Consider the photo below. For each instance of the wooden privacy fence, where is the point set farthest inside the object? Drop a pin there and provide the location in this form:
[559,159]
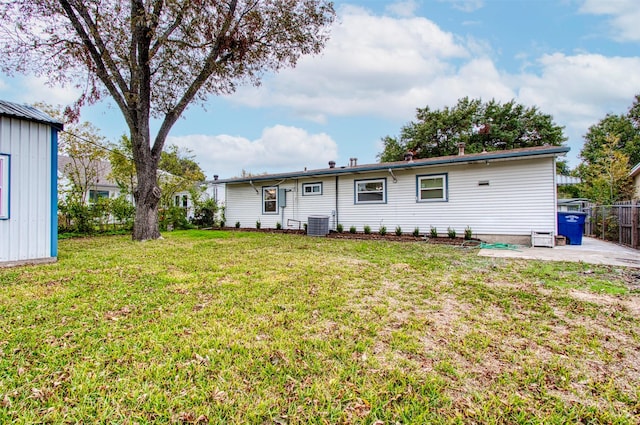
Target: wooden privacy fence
[617,223]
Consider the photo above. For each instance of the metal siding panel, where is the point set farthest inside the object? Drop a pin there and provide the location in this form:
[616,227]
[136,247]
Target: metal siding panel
[27,235]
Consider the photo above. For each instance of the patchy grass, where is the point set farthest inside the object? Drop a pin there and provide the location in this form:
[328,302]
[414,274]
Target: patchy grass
[232,327]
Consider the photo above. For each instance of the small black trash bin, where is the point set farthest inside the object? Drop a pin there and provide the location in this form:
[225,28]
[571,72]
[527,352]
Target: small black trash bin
[571,226]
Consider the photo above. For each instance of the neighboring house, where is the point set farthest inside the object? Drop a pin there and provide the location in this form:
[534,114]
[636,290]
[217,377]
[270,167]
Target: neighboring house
[635,175]
[93,176]
[502,196]
[573,204]
[28,185]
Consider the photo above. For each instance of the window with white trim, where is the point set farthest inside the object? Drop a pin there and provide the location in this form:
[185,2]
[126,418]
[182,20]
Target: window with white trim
[4,187]
[270,200]
[310,189]
[371,191]
[432,188]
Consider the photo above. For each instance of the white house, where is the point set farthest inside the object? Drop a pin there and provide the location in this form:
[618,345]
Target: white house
[502,196]
[92,175]
[28,185]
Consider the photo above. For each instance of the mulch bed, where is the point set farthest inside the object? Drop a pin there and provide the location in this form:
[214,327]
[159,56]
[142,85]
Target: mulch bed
[372,236]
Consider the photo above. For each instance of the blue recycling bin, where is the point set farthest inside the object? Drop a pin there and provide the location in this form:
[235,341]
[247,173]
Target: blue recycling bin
[571,226]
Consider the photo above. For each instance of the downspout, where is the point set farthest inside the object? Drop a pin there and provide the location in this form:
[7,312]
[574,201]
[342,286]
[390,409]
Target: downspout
[336,220]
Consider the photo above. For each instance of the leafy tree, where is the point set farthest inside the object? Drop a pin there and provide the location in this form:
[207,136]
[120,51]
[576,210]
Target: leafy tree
[82,145]
[155,58]
[123,169]
[606,180]
[480,126]
[180,174]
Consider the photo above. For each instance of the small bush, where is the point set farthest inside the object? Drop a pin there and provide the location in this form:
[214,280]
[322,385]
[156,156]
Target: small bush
[416,232]
[451,232]
[258,224]
[468,234]
[339,228]
[237,224]
[367,229]
[398,231]
[433,232]
[222,224]
[278,226]
[305,227]
[383,230]
[352,229]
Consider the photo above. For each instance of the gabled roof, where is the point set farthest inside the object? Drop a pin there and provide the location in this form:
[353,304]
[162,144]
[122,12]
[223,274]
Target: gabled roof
[523,153]
[14,110]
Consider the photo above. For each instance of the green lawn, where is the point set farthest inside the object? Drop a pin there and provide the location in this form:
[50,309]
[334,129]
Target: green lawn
[232,327]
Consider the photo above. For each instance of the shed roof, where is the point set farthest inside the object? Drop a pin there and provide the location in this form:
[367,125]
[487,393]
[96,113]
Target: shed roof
[522,153]
[15,110]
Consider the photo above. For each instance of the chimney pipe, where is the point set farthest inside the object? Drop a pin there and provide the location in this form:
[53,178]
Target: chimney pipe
[460,149]
[408,156]
[332,164]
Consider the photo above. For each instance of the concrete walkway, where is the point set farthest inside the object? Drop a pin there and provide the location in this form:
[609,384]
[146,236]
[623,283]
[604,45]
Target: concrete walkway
[592,251]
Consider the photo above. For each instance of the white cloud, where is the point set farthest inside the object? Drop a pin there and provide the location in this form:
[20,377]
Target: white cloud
[279,149]
[625,15]
[372,65]
[37,90]
[466,5]
[403,9]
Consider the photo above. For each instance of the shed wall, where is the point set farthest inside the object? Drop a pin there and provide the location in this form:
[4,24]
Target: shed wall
[28,233]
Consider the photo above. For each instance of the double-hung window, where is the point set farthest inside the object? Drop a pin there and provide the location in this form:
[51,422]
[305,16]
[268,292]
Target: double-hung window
[432,188]
[310,189]
[270,200]
[371,191]
[4,187]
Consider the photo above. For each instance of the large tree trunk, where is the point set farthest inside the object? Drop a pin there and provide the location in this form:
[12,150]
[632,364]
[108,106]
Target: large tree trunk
[147,196]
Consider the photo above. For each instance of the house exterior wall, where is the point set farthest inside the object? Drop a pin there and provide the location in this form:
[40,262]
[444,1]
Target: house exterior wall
[519,198]
[30,232]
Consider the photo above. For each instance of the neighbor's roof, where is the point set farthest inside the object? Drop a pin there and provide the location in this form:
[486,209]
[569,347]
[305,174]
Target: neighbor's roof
[635,170]
[101,168]
[523,153]
[14,110]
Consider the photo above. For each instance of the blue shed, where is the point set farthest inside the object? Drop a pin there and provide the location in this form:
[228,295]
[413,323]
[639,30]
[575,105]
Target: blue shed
[28,185]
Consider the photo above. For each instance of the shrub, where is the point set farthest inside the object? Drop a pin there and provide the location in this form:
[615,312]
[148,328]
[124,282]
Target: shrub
[237,224]
[352,229]
[278,226]
[258,224]
[305,227]
[383,230]
[222,224]
[339,228]
[433,232]
[416,232]
[451,232]
[367,229]
[398,231]
[468,234]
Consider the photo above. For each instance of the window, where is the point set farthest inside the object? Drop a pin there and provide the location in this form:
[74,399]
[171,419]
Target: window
[432,188]
[4,187]
[185,201]
[94,195]
[311,189]
[371,191]
[270,200]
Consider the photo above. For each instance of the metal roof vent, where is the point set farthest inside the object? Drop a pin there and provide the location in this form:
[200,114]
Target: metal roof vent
[332,164]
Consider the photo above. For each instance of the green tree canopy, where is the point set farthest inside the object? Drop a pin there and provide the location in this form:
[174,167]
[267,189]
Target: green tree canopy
[481,126]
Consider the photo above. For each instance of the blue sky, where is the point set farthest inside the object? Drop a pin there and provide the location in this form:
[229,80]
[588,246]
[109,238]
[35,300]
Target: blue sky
[574,59]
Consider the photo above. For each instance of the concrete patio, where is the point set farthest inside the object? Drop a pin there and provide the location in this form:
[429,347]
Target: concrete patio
[592,251]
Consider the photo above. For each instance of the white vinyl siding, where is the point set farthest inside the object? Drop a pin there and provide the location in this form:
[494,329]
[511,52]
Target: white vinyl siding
[26,234]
